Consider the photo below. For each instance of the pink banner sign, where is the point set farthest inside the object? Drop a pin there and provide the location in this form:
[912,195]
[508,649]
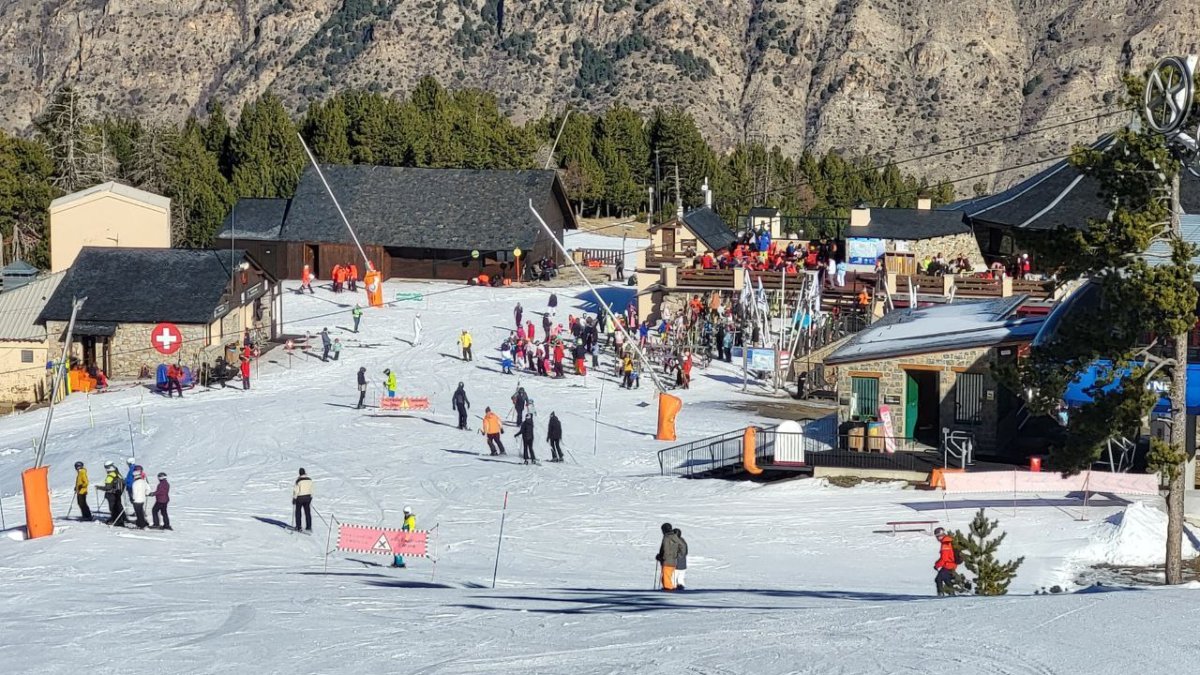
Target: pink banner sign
[1049,482]
[404,403]
[361,539]
[889,436]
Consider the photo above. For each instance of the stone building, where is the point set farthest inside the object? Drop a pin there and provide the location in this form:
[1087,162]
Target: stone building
[109,214]
[931,370]
[906,236]
[210,296]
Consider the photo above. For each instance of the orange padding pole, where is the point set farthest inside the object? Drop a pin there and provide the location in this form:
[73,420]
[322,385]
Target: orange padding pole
[38,521]
[749,461]
[374,282]
[668,407]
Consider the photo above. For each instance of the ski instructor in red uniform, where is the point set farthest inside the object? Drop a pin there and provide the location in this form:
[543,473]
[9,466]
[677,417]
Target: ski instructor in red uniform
[946,563]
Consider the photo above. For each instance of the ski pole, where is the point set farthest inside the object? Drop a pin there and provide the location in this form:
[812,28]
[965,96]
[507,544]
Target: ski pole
[500,540]
[3,525]
[70,505]
[654,584]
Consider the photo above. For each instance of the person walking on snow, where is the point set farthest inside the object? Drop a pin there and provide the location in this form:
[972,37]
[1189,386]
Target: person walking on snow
[302,498]
[492,430]
[325,344]
[362,387]
[464,341]
[356,313]
[546,324]
[946,563]
[416,330]
[410,525]
[681,562]
[113,487]
[668,556]
[526,436]
[553,304]
[519,400]
[390,382]
[461,404]
[337,348]
[517,312]
[554,438]
[141,488]
[162,497]
[81,491]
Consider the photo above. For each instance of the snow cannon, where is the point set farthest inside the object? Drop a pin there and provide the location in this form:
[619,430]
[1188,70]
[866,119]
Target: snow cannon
[749,460]
[668,408]
[38,520]
[374,281]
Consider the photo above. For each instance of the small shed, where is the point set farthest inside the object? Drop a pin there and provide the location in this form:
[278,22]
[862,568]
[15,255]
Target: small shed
[904,237]
[696,232]
[24,347]
[109,214]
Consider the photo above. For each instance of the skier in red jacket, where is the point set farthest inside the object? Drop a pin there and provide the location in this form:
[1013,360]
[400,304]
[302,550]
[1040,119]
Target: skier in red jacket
[946,563]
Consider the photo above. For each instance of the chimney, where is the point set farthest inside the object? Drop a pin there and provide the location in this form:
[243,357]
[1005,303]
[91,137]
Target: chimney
[924,203]
[707,193]
[860,216]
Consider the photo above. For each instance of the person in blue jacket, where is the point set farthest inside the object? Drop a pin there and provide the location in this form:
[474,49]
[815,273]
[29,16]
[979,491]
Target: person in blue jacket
[129,474]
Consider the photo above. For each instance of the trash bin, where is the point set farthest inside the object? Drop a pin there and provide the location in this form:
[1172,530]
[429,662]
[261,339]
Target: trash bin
[1035,464]
[875,442]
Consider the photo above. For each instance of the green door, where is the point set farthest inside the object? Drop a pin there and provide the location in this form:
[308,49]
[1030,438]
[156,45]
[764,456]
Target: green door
[911,397]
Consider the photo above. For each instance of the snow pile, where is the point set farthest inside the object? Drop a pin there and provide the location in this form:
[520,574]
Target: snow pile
[1136,536]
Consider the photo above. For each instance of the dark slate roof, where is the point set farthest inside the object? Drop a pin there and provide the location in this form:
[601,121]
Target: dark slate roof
[255,219]
[457,209]
[1057,197]
[709,228]
[143,285]
[939,328]
[764,212]
[910,224]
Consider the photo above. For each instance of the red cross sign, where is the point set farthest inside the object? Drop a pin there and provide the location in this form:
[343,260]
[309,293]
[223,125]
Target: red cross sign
[166,339]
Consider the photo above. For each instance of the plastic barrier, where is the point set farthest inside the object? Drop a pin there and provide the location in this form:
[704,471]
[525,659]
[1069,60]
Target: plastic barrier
[373,280]
[749,461]
[38,520]
[668,407]
[1025,481]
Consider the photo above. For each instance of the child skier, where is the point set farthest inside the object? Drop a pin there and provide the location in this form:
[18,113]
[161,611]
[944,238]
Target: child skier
[410,525]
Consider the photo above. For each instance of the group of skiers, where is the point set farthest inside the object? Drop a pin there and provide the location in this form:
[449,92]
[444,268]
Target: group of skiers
[135,485]
[672,558]
[492,427]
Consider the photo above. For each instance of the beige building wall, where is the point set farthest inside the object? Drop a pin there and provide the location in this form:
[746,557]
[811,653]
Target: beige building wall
[117,216]
[22,372]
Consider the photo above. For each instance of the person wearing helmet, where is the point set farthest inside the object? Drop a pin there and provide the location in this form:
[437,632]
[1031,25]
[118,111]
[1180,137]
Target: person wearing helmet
[464,341]
[461,404]
[362,388]
[81,491]
[410,525]
[946,563]
[132,464]
[141,488]
[390,382]
[526,436]
[162,497]
[113,487]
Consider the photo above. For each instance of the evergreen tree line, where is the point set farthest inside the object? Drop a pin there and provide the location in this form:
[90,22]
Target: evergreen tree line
[607,160]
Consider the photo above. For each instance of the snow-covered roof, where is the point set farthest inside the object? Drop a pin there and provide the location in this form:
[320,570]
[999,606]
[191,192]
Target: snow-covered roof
[115,188]
[940,328]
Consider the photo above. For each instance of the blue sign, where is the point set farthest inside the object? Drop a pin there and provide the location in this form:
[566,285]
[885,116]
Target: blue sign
[760,358]
[864,250]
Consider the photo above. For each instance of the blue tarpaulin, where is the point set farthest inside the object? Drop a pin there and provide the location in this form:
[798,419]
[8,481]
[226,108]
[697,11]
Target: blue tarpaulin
[1077,395]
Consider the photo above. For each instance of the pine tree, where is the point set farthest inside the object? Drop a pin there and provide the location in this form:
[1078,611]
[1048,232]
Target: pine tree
[326,129]
[978,550]
[25,193]
[75,142]
[200,194]
[265,152]
[215,133]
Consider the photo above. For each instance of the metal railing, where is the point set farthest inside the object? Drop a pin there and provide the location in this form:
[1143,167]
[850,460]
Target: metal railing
[701,456]
[959,445]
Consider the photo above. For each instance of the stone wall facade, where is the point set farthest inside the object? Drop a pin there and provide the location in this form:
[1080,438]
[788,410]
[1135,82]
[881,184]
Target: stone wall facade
[947,366]
[952,248]
[130,349]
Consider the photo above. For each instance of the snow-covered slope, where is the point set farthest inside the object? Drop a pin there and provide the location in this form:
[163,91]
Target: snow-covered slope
[789,577]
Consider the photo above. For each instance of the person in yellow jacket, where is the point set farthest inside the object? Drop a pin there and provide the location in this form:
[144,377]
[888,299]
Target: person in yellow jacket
[390,382]
[627,370]
[81,491]
[410,525]
[492,430]
[464,340]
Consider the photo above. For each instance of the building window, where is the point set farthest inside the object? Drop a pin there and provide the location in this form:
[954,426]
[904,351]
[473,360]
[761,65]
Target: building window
[26,356]
[968,398]
[864,398]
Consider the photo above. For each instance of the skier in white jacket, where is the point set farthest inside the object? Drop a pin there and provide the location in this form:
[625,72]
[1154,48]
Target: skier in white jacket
[416,330]
[140,489]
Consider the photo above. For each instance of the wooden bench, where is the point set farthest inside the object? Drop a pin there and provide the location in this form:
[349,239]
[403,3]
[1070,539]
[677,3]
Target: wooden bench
[926,525]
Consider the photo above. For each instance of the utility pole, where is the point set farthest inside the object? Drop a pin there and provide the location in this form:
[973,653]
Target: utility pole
[60,374]
[657,178]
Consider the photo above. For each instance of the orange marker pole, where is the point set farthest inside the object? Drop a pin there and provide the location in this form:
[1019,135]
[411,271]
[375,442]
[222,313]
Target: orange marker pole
[38,520]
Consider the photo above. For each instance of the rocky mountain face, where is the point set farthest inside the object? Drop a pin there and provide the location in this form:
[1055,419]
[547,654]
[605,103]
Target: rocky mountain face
[898,77]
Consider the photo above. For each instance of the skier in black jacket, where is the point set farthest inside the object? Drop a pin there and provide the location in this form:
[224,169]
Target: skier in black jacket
[526,436]
[554,437]
[519,400]
[461,404]
[362,387]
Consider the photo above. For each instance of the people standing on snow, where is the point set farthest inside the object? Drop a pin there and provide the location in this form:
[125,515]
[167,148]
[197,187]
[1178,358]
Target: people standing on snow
[362,388]
[517,312]
[461,404]
[174,380]
[141,488]
[81,491]
[113,487]
[627,372]
[416,329]
[356,314]
[390,382]
[325,344]
[162,497]
[685,370]
[546,324]
[245,370]
[302,497]
[492,430]
[130,474]
[681,561]
[519,400]
[668,556]
[946,563]
[464,341]
[410,525]
[554,438]
[337,348]
[553,304]
[526,436]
